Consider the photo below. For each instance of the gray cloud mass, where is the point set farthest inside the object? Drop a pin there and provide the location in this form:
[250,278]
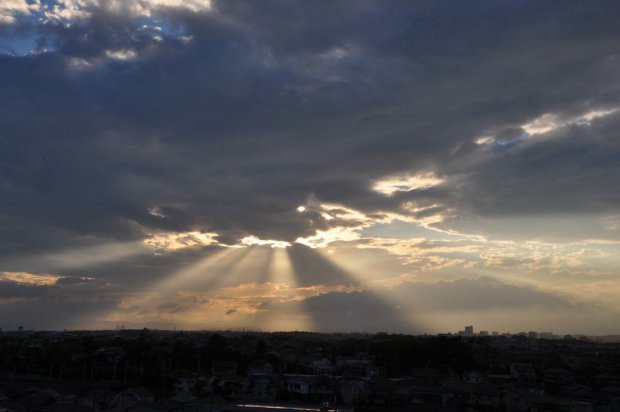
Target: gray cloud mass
[227,119]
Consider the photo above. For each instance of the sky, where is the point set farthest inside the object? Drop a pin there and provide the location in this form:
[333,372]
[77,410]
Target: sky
[337,166]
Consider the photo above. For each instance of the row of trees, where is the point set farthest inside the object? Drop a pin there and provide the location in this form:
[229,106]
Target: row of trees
[147,358]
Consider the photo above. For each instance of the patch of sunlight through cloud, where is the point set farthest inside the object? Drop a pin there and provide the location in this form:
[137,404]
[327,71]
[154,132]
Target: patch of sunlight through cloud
[10,8]
[69,11]
[253,240]
[323,238]
[121,54]
[166,241]
[549,122]
[30,278]
[406,183]
[339,211]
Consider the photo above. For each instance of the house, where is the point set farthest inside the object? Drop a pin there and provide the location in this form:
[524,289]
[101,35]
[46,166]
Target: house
[474,377]
[43,398]
[323,389]
[487,396]
[18,390]
[184,398]
[95,398]
[609,397]
[132,397]
[169,405]
[353,391]
[141,394]
[193,384]
[110,353]
[559,404]
[558,375]
[386,392]
[429,376]
[262,386]
[517,400]
[555,379]
[260,366]
[322,366]
[224,368]
[185,385]
[315,387]
[300,384]
[434,394]
[573,362]
[233,386]
[577,391]
[523,372]
[359,368]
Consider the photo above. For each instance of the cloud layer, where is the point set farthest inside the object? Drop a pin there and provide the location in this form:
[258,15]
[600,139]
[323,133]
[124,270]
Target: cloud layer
[441,139]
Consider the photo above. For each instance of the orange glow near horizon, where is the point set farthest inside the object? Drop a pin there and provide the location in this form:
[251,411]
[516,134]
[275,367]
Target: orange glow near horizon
[282,275]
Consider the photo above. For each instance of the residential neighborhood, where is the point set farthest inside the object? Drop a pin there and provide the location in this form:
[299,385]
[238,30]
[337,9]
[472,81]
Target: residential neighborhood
[147,370]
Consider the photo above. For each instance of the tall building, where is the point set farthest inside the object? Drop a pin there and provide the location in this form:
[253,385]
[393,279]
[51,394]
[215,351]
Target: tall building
[469,331]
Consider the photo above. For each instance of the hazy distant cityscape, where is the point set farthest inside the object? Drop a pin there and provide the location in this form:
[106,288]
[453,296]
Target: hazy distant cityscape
[468,331]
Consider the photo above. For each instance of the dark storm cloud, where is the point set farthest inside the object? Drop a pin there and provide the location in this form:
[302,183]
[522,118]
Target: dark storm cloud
[352,312]
[21,291]
[64,304]
[311,268]
[566,171]
[54,312]
[482,294]
[235,128]
[373,310]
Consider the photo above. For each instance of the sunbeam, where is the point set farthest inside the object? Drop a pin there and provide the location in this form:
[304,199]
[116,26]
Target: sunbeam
[78,258]
[216,279]
[244,270]
[259,287]
[395,306]
[204,270]
[264,267]
[291,315]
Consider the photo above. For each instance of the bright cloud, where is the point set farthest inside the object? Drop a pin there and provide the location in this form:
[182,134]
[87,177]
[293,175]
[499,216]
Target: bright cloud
[10,8]
[72,10]
[550,121]
[122,54]
[180,240]
[30,278]
[546,123]
[323,238]
[406,183]
[253,240]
